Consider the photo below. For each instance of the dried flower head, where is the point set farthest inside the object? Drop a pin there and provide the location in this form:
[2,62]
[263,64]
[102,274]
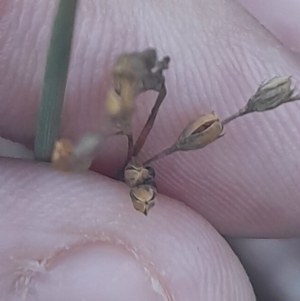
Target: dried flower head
[135,175]
[132,67]
[133,73]
[271,94]
[199,133]
[141,69]
[141,180]
[143,197]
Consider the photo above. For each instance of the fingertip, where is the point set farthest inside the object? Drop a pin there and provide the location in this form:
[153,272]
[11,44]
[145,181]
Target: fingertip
[85,232]
[279,17]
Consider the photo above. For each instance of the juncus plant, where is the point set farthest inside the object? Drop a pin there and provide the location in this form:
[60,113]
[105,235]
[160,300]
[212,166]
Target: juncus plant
[137,72]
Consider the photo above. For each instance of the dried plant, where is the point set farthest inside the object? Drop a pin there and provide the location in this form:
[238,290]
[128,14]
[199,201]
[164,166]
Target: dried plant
[137,72]
[134,73]
[141,180]
[143,197]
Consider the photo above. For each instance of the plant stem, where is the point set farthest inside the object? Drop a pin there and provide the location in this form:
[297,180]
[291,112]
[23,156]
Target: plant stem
[241,112]
[149,124]
[162,154]
[119,175]
[130,147]
[52,98]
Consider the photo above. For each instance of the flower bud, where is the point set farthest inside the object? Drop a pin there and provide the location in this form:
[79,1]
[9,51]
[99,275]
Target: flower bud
[199,133]
[143,197]
[271,94]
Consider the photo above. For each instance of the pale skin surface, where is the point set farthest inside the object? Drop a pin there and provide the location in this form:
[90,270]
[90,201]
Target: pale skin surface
[77,237]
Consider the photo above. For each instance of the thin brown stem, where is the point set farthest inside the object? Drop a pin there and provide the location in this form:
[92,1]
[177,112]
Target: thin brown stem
[296,97]
[149,124]
[119,175]
[241,112]
[162,154]
[130,147]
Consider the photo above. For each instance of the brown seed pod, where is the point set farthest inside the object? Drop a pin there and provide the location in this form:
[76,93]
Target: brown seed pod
[135,175]
[199,133]
[143,197]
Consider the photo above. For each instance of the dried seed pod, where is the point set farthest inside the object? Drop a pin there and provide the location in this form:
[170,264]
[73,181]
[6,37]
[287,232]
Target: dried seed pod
[133,67]
[271,94]
[135,175]
[141,69]
[199,133]
[61,155]
[143,197]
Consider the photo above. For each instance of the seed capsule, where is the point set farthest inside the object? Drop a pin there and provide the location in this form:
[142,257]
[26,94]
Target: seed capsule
[199,133]
[271,94]
[135,175]
[143,197]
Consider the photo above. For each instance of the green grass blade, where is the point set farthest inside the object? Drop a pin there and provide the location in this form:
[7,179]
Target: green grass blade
[52,98]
